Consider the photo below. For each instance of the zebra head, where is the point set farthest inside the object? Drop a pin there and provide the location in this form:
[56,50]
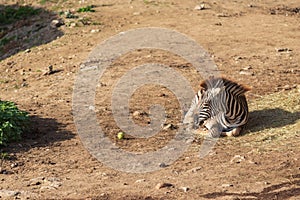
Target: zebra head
[205,103]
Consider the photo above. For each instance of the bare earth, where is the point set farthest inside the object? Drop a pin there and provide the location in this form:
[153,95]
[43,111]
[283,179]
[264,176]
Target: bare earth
[256,43]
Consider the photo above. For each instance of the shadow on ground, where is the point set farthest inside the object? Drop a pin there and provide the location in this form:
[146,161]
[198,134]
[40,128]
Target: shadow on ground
[42,132]
[270,118]
[280,191]
[23,27]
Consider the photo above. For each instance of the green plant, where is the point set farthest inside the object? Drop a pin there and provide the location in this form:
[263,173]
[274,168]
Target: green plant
[87,9]
[5,41]
[4,155]
[10,14]
[13,122]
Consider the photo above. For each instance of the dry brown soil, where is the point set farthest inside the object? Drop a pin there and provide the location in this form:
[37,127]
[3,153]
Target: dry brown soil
[256,43]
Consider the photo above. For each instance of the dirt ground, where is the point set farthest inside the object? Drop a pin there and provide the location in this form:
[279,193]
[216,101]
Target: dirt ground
[256,43]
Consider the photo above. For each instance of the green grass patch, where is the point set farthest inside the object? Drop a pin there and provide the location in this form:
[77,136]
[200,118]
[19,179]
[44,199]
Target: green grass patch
[13,122]
[11,14]
[7,40]
[87,9]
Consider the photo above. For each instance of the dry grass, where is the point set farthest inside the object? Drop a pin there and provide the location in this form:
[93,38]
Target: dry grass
[276,116]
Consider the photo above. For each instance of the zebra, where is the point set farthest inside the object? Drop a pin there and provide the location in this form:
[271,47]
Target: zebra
[221,106]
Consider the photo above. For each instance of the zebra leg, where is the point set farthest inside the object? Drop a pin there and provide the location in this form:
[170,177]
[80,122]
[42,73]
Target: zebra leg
[235,132]
[214,128]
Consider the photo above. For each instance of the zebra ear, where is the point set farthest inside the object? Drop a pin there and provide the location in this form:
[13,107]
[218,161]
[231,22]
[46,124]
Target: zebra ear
[203,86]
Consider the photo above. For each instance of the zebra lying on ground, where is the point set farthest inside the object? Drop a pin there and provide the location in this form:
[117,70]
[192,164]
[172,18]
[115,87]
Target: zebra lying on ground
[221,106]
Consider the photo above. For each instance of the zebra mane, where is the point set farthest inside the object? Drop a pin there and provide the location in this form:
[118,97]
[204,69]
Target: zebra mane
[221,82]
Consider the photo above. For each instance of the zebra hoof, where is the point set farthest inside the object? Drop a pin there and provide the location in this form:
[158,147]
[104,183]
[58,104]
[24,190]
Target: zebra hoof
[235,132]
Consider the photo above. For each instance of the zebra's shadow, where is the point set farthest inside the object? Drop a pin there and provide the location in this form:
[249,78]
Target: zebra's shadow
[270,118]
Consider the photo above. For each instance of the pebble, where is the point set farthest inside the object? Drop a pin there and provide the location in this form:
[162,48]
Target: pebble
[246,73]
[14,165]
[200,7]
[8,193]
[136,113]
[56,23]
[136,13]
[237,159]
[36,181]
[163,165]
[140,180]
[95,31]
[163,185]
[247,68]
[169,127]
[185,189]
[195,169]
[73,24]
[227,185]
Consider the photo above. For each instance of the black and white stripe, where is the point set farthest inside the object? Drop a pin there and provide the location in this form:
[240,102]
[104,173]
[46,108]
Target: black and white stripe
[221,106]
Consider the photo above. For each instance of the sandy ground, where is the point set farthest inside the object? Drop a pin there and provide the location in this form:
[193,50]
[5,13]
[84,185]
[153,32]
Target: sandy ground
[255,43]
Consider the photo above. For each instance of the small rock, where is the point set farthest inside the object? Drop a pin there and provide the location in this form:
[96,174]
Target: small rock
[237,159]
[8,193]
[56,23]
[246,73]
[238,58]
[140,180]
[247,68]
[200,7]
[227,185]
[163,185]
[73,24]
[22,72]
[163,165]
[36,181]
[95,31]
[136,13]
[185,189]
[24,84]
[195,169]
[56,184]
[27,51]
[136,113]
[14,165]
[169,127]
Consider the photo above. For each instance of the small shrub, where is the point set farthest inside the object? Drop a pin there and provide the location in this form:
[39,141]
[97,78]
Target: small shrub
[87,9]
[10,14]
[13,122]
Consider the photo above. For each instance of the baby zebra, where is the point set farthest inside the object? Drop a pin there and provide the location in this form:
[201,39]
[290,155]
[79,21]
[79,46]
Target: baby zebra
[220,105]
